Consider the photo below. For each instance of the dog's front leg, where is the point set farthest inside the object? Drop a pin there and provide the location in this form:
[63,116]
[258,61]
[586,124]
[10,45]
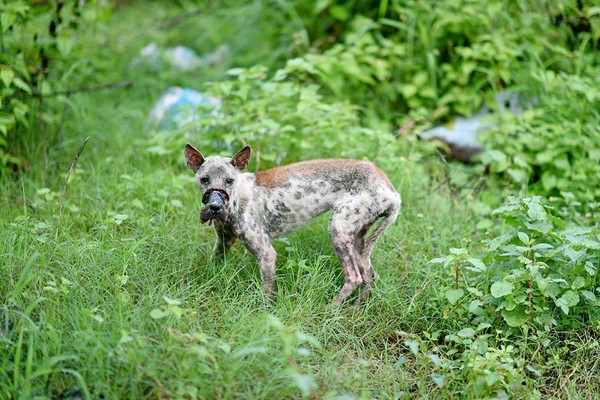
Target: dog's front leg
[260,246]
[225,239]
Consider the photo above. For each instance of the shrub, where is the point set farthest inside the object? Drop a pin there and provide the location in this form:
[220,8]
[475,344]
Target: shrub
[555,148]
[283,118]
[542,274]
[36,40]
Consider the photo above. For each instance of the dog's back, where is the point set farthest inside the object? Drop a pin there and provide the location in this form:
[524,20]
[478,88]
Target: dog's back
[331,170]
[292,195]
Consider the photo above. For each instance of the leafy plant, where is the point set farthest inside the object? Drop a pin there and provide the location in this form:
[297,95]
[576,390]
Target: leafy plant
[36,40]
[548,272]
[281,118]
[555,147]
[426,60]
[541,274]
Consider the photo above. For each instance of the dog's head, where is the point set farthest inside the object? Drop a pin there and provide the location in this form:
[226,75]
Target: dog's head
[216,177]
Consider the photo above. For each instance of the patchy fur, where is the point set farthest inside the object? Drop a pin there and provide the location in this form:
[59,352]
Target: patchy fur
[275,202]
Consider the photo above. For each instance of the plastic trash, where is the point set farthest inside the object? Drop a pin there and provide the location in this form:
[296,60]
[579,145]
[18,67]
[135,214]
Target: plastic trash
[217,56]
[179,106]
[180,57]
[461,135]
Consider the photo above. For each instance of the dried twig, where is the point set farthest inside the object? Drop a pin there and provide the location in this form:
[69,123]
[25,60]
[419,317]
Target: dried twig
[62,198]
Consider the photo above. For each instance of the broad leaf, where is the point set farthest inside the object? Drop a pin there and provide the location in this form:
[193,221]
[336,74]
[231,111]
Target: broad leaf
[502,288]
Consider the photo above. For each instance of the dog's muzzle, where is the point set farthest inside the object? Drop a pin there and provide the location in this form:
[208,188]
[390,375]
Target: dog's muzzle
[215,202]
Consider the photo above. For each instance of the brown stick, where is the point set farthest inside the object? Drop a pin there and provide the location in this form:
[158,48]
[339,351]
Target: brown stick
[457,270]
[62,198]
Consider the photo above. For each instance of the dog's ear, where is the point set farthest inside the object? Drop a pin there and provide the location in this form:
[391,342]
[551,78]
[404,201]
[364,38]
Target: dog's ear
[193,157]
[241,158]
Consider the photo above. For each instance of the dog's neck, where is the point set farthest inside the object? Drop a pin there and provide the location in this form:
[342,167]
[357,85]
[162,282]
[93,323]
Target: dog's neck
[242,192]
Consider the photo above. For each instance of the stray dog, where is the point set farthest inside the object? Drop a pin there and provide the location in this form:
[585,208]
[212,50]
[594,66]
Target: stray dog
[256,208]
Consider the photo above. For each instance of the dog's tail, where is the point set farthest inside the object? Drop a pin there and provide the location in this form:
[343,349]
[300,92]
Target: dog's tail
[389,217]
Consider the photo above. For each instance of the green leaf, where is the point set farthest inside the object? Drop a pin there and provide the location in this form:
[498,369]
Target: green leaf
[235,71]
[562,303]
[502,288]
[516,317]
[589,296]
[497,159]
[64,44]
[535,209]
[518,175]
[408,90]
[157,313]
[589,268]
[7,121]
[6,75]
[176,311]
[458,251]
[339,12]
[438,379]
[542,227]
[549,180]
[413,345]
[21,84]
[435,359]
[475,307]
[542,246]
[523,237]
[171,302]
[453,295]
[571,298]
[119,218]
[466,333]
[578,283]
[477,263]
[7,19]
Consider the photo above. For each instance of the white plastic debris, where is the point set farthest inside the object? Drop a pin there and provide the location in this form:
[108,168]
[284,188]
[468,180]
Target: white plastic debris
[218,56]
[178,107]
[461,134]
[180,57]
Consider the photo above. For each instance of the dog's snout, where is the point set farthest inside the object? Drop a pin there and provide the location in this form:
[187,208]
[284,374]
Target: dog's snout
[214,206]
[213,196]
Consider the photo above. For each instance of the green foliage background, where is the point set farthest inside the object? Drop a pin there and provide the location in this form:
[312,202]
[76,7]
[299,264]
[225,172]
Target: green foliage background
[488,281]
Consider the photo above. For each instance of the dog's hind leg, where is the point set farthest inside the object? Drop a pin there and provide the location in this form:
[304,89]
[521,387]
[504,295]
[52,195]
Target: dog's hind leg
[369,274]
[344,240]
[389,216]
[366,268]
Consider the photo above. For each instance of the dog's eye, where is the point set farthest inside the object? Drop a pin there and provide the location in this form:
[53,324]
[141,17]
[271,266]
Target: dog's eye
[229,181]
[204,180]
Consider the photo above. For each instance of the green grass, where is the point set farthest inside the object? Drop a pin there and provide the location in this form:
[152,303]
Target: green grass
[76,308]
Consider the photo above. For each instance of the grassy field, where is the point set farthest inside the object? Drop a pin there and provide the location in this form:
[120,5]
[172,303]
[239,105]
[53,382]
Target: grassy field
[108,290]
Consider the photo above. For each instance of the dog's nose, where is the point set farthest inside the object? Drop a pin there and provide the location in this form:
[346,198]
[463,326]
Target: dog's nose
[214,207]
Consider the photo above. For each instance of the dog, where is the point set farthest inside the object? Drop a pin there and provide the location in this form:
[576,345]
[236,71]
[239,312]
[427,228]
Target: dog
[256,208]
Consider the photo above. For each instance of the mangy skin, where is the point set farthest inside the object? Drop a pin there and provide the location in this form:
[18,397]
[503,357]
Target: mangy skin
[275,202]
